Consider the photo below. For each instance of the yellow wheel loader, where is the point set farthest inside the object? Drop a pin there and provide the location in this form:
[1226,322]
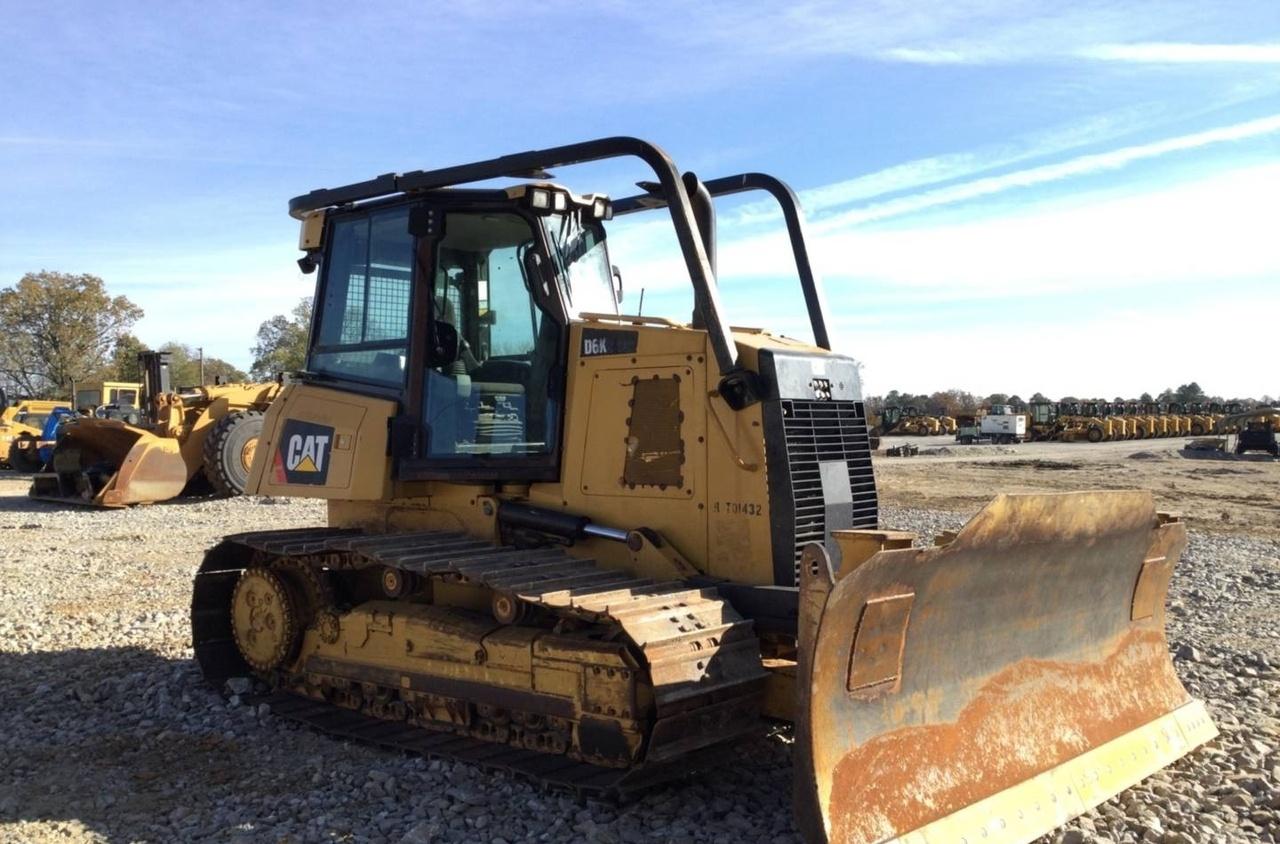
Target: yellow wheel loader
[1144,425]
[1203,422]
[1123,427]
[123,455]
[20,427]
[1179,421]
[597,549]
[1158,421]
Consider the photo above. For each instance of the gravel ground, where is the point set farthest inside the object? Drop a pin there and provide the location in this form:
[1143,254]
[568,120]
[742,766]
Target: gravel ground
[107,733]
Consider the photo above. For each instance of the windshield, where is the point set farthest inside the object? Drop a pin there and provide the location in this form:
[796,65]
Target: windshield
[583,262]
[121,396]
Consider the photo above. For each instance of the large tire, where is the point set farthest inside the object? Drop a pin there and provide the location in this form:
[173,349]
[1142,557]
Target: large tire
[229,449]
[1095,435]
[24,459]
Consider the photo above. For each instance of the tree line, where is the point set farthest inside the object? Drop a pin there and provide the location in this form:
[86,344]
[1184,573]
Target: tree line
[64,330]
[960,402]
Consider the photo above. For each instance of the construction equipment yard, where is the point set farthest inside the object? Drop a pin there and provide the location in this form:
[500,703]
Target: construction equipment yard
[108,732]
[731,423]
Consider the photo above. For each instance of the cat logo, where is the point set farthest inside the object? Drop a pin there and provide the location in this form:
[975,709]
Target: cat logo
[303,454]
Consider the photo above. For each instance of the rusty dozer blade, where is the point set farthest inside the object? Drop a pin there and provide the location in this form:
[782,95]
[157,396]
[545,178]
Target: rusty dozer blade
[107,463]
[993,687]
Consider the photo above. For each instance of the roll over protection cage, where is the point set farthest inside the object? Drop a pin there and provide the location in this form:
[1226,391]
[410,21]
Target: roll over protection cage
[738,386]
[815,299]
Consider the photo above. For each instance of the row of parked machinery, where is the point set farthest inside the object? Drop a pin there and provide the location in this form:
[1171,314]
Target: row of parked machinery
[1075,421]
[1100,421]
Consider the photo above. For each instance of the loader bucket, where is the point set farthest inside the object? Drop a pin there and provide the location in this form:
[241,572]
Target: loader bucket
[107,463]
[993,687]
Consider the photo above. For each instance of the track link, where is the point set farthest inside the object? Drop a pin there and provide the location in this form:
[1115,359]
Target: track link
[560,772]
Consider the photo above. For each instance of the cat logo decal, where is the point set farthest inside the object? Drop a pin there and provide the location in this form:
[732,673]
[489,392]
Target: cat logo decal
[302,456]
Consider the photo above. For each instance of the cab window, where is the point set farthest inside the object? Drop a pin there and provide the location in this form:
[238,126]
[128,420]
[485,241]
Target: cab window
[495,396]
[363,325]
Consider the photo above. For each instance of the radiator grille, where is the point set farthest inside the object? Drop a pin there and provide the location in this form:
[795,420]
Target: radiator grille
[815,432]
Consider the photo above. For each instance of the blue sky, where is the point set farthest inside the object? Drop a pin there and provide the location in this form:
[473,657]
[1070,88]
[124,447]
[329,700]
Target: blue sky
[1074,198]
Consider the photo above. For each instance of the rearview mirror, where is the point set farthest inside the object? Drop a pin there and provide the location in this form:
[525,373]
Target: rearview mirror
[535,273]
[617,283]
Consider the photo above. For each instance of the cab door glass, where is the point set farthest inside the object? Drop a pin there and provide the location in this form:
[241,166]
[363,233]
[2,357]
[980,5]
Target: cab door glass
[363,327]
[495,396]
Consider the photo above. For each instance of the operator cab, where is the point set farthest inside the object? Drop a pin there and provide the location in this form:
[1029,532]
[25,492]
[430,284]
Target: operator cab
[456,303]
[1042,413]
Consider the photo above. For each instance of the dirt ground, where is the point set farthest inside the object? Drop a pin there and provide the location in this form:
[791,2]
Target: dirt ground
[1234,495]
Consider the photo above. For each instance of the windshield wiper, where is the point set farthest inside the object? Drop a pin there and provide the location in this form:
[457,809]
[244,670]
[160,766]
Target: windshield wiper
[310,375]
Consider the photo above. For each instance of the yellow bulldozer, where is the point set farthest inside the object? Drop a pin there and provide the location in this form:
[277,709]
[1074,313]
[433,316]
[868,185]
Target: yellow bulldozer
[171,442]
[1045,421]
[1092,421]
[598,549]
[917,423]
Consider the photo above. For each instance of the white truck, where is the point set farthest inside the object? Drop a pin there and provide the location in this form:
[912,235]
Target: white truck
[1000,425]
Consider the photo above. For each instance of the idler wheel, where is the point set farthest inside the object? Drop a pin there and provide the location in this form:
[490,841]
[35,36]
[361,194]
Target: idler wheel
[264,619]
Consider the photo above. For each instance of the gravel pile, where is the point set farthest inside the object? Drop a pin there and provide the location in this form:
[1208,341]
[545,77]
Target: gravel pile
[107,733]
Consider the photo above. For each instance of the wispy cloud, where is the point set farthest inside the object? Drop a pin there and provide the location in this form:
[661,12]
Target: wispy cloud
[1146,233]
[935,170]
[979,32]
[1003,51]
[970,54]
[1181,53]
[1079,166]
